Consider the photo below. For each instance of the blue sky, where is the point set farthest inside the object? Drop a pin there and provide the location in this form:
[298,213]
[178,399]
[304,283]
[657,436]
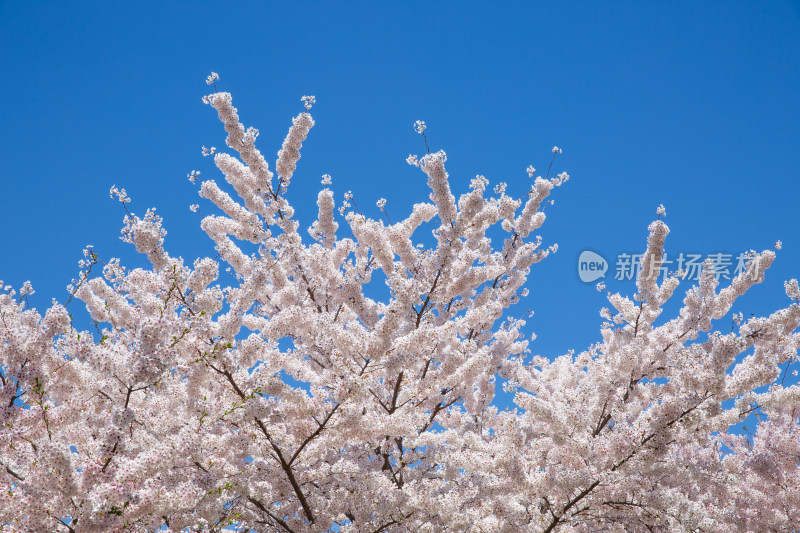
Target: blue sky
[693,105]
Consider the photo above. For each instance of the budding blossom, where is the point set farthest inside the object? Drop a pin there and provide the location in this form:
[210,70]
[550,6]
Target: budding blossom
[419,126]
[193,176]
[209,151]
[212,78]
[177,412]
[346,203]
[381,203]
[308,101]
[121,194]
[661,211]
[531,171]
[557,150]
[26,289]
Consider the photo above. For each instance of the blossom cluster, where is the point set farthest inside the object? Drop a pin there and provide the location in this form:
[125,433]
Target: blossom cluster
[290,397]
[308,101]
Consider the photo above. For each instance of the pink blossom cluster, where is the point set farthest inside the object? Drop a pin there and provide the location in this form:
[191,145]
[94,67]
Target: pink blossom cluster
[287,398]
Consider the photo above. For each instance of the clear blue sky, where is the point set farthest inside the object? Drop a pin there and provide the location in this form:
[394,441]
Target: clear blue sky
[691,104]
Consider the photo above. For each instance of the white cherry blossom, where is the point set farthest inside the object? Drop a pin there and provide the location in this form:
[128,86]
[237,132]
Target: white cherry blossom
[287,396]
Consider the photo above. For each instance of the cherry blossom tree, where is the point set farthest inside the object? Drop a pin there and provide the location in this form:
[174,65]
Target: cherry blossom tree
[293,400]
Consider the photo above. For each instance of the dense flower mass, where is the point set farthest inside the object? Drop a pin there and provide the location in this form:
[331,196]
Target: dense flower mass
[292,400]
